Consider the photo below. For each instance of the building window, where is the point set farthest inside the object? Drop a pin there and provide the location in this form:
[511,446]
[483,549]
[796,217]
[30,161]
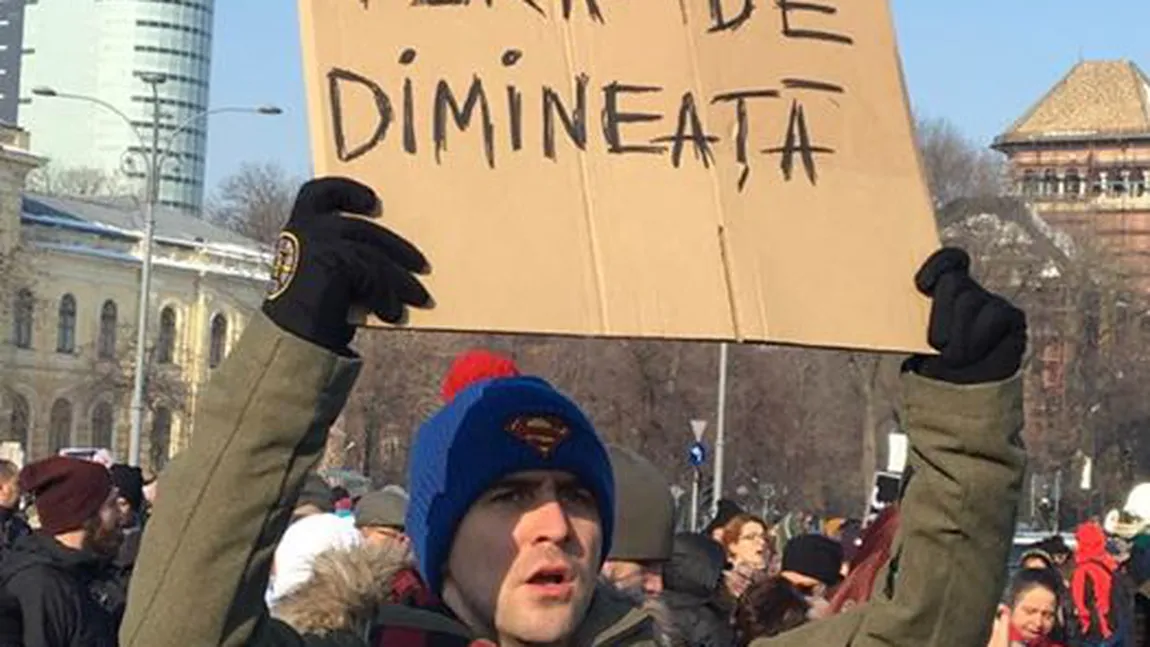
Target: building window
[1073,185]
[60,426]
[1029,183]
[161,438]
[19,420]
[66,325]
[102,422]
[1118,183]
[218,348]
[166,346]
[1098,184]
[22,316]
[106,343]
[1050,184]
[1138,183]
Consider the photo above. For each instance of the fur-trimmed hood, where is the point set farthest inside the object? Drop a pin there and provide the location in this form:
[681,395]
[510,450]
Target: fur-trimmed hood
[345,592]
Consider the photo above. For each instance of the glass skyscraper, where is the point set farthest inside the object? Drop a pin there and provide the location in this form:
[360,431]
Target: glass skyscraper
[99,48]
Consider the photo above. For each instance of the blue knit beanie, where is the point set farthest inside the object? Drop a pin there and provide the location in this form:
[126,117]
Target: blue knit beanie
[489,430]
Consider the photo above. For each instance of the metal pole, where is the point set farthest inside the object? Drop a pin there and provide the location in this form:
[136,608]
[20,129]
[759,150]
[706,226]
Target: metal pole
[720,439]
[151,197]
[695,501]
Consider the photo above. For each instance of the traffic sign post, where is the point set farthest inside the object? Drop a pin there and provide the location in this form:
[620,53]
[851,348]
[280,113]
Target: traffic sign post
[696,456]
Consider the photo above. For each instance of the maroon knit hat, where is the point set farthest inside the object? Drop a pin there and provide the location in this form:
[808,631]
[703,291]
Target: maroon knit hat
[68,491]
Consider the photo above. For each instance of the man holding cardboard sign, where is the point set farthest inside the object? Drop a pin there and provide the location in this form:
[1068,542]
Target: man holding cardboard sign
[511,542]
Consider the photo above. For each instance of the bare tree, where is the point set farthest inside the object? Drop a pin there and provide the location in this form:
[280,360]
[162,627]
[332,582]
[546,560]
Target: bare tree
[956,167]
[78,182]
[254,201]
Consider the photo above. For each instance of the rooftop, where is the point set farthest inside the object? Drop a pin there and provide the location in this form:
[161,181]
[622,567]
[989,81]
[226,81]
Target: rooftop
[1096,99]
[122,218]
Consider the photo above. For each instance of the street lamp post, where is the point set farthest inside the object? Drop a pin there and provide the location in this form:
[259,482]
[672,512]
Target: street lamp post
[154,159]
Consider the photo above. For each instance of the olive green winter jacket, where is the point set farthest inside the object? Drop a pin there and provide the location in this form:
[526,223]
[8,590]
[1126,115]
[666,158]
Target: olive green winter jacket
[263,421]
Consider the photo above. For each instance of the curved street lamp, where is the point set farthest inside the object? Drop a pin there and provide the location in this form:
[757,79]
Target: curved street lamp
[154,159]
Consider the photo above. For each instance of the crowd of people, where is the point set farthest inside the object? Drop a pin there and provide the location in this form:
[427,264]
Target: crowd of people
[517,524]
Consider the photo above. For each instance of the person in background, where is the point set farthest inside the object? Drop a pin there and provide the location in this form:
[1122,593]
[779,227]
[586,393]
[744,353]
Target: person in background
[1028,616]
[57,579]
[12,523]
[304,540]
[726,510]
[1098,593]
[644,523]
[745,540]
[770,607]
[813,565]
[867,561]
[379,517]
[692,588]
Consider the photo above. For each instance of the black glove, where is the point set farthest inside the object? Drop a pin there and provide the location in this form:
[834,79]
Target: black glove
[326,262]
[981,336]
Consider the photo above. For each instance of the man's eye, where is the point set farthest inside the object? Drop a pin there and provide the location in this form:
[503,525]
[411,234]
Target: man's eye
[510,496]
[578,495]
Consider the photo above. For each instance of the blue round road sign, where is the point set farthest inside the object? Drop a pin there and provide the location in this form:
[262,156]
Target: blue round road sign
[697,454]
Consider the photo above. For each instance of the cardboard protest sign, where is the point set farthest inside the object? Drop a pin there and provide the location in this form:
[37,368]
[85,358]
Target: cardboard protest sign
[706,169]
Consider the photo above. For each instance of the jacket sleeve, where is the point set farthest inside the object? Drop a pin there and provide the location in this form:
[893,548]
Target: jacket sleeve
[958,513]
[222,506]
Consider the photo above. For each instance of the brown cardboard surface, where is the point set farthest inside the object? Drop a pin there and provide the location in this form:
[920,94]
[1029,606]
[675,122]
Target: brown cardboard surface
[810,237]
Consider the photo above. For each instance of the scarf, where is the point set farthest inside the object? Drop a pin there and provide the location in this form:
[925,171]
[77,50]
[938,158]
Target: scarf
[1093,565]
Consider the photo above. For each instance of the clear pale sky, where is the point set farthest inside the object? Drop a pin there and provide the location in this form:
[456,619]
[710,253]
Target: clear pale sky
[979,63]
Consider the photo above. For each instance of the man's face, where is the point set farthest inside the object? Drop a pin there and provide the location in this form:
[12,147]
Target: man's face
[639,579]
[384,536]
[524,559]
[125,510]
[9,494]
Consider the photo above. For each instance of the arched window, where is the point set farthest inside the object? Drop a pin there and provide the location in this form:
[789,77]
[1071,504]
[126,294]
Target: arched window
[19,420]
[1073,183]
[66,325]
[23,311]
[218,347]
[166,345]
[60,426]
[103,420]
[161,437]
[106,343]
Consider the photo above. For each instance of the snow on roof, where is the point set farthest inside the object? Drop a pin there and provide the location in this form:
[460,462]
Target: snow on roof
[112,217]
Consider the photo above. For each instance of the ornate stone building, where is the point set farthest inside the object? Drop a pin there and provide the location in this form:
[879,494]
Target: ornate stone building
[69,275]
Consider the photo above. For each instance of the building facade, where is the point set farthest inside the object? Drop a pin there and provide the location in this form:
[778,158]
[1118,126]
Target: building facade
[117,41]
[1080,158]
[11,55]
[71,285]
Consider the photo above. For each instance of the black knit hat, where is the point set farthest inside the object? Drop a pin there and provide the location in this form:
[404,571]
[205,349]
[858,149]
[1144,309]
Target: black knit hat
[815,556]
[129,481]
[727,510]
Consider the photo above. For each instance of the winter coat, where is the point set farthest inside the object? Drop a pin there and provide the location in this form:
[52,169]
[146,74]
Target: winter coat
[262,425]
[54,596]
[691,590]
[12,527]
